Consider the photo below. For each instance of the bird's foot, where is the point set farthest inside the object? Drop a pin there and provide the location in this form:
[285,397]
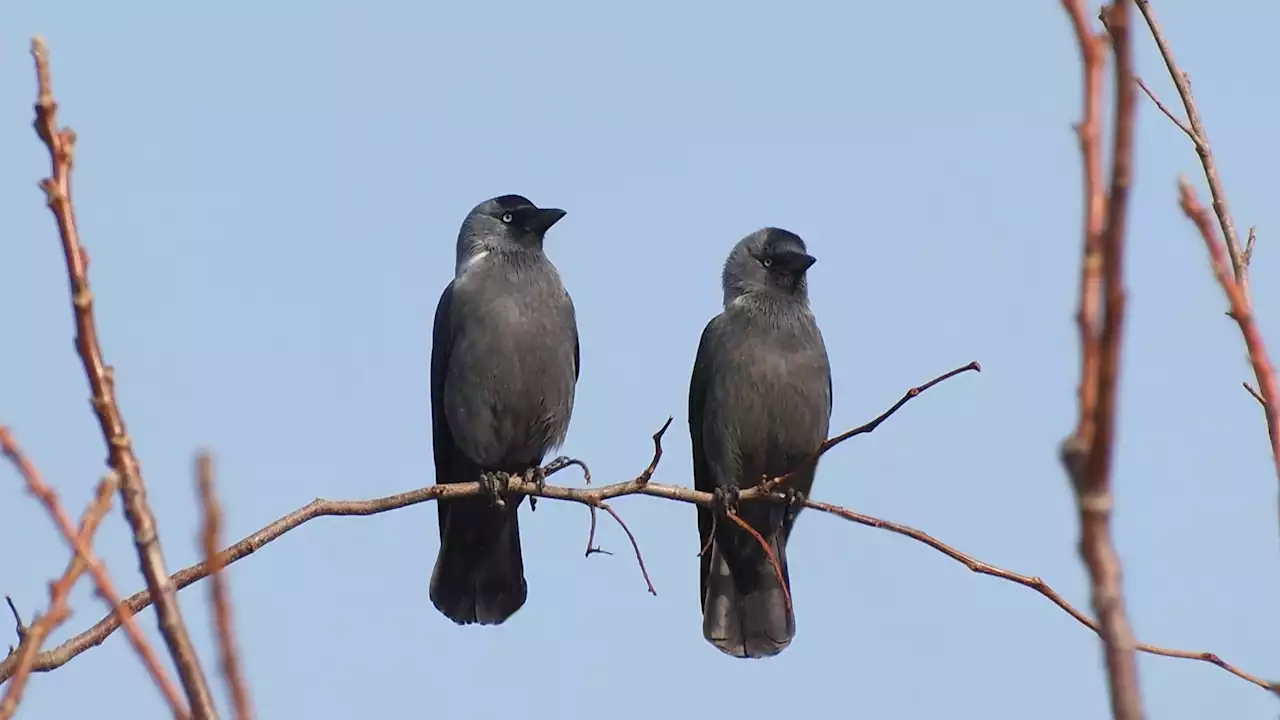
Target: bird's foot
[795,500]
[494,484]
[726,499]
[556,465]
[538,475]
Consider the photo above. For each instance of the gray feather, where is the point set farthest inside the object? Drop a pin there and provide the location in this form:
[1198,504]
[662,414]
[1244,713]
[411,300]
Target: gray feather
[759,405]
[504,366]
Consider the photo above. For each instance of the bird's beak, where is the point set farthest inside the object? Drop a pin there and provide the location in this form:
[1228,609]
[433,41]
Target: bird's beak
[544,218]
[804,262]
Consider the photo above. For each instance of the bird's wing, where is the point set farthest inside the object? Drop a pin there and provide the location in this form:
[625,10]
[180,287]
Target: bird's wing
[702,479]
[443,444]
[573,322]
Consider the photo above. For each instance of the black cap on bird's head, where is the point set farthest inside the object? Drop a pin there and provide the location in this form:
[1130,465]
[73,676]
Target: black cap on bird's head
[519,217]
[504,224]
[781,251]
[768,260]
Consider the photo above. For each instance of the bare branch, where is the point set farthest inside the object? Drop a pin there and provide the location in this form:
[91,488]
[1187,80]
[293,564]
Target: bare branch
[772,484]
[57,657]
[768,552]
[634,545]
[1242,312]
[1256,396]
[84,560]
[1239,260]
[1028,581]
[31,638]
[57,187]
[593,498]
[219,595]
[1087,453]
[1169,113]
[1238,289]
[1093,50]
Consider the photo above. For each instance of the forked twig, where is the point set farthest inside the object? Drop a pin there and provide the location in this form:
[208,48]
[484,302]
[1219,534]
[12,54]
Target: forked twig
[79,542]
[146,539]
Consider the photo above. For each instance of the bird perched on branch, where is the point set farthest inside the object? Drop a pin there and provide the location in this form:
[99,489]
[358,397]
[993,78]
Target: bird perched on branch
[759,406]
[504,366]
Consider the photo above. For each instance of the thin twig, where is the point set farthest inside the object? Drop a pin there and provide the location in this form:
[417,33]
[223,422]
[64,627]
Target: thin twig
[1256,395]
[31,638]
[220,596]
[772,484]
[1087,453]
[94,636]
[592,548]
[593,497]
[1240,297]
[634,545]
[1028,581]
[79,541]
[1242,312]
[768,552]
[57,187]
[1169,113]
[1239,263]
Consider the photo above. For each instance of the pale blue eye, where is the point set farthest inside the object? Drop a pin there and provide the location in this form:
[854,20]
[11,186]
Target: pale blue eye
[507,218]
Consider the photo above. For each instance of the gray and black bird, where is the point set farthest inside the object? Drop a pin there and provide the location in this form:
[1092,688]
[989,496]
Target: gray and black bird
[759,406]
[504,366]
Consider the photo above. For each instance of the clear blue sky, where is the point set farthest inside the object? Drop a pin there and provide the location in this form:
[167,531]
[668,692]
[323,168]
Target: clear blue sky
[270,195]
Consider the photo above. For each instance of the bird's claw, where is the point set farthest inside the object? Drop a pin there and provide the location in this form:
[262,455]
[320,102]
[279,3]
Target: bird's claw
[726,498]
[556,465]
[494,484]
[795,500]
[538,475]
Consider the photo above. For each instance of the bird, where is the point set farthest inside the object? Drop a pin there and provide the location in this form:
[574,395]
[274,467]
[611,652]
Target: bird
[760,401]
[504,370]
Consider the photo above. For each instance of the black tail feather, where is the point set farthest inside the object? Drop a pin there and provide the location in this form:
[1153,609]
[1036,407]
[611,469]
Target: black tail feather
[479,572]
[745,612]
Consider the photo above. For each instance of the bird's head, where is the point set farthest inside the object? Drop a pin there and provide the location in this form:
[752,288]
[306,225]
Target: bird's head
[770,262]
[505,224]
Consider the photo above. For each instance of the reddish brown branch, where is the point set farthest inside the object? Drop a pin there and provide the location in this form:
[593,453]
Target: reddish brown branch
[1169,113]
[768,551]
[57,187]
[1027,581]
[1239,257]
[1256,395]
[31,638]
[634,545]
[94,636]
[1241,311]
[772,484]
[594,497]
[84,560]
[1235,282]
[1093,51]
[220,596]
[647,474]
[1087,454]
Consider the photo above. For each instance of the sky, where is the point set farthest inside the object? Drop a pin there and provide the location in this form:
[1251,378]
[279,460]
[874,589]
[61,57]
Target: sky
[270,196]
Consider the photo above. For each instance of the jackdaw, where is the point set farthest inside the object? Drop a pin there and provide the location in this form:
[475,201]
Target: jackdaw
[759,406]
[504,366]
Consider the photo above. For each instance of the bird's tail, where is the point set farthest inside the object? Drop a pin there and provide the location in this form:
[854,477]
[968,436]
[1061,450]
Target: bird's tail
[479,572]
[745,611]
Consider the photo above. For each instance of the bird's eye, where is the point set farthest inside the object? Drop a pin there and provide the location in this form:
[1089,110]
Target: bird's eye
[768,262]
[507,218]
